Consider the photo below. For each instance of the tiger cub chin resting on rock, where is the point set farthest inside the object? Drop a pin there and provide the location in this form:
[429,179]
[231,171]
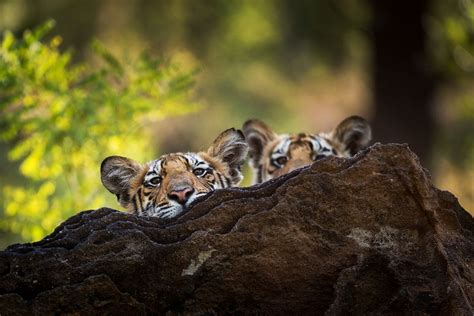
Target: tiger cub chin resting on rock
[167,186]
[272,155]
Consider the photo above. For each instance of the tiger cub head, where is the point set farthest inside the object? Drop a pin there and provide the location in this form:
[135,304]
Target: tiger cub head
[272,155]
[167,186]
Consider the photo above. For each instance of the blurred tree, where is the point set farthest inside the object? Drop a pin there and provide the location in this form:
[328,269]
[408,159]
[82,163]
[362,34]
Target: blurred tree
[404,81]
[76,21]
[322,29]
[64,119]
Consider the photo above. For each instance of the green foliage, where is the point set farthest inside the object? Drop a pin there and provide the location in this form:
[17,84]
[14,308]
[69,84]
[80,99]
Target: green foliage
[451,33]
[63,119]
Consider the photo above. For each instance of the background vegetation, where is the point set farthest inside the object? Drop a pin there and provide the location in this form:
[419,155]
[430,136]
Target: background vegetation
[85,90]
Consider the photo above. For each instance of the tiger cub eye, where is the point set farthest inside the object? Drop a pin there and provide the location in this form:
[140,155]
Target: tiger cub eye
[155,180]
[281,160]
[199,172]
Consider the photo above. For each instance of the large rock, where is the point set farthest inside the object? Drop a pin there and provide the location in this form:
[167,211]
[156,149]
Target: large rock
[365,235]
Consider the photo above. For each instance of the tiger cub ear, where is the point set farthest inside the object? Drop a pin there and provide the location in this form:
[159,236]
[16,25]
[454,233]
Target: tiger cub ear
[116,174]
[230,147]
[258,135]
[353,134]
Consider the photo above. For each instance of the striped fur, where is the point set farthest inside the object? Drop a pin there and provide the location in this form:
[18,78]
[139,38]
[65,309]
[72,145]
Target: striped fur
[272,154]
[153,189]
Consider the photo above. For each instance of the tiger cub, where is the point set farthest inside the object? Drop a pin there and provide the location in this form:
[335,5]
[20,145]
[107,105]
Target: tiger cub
[167,186]
[272,155]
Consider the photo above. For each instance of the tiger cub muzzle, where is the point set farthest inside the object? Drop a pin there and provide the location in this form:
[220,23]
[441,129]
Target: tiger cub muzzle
[167,186]
[181,194]
[272,154]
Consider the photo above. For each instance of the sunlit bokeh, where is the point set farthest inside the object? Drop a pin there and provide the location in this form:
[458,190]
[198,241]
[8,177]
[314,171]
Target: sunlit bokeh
[83,80]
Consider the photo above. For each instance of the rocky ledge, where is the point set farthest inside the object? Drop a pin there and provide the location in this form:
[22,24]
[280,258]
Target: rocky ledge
[364,235]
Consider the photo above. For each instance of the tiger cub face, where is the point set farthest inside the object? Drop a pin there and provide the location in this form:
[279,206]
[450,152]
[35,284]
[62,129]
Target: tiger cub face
[167,186]
[272,154]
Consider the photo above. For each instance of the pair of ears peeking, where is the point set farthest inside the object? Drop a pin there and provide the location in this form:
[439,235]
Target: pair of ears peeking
[272,154]
[166,187]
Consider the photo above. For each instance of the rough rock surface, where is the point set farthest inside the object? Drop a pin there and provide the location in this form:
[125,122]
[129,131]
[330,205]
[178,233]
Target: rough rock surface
[365,235]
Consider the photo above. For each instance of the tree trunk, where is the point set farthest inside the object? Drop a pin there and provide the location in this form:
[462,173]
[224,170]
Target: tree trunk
[403,81]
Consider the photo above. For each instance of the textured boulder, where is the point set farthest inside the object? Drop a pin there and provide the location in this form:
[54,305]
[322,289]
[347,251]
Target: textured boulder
[365,235]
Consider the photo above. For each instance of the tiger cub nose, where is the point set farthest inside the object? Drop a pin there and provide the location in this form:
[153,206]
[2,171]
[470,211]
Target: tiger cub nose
[181,195]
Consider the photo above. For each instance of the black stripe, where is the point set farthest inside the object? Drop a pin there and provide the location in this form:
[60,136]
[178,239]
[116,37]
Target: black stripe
[227,181]
[135,208]
[193,159]
[186,160]
[209,186]
[138,204]
[220,179]
[139,197]
[161,164]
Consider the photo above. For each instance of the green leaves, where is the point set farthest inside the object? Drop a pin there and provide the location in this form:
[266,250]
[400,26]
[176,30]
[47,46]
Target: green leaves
[65,118]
